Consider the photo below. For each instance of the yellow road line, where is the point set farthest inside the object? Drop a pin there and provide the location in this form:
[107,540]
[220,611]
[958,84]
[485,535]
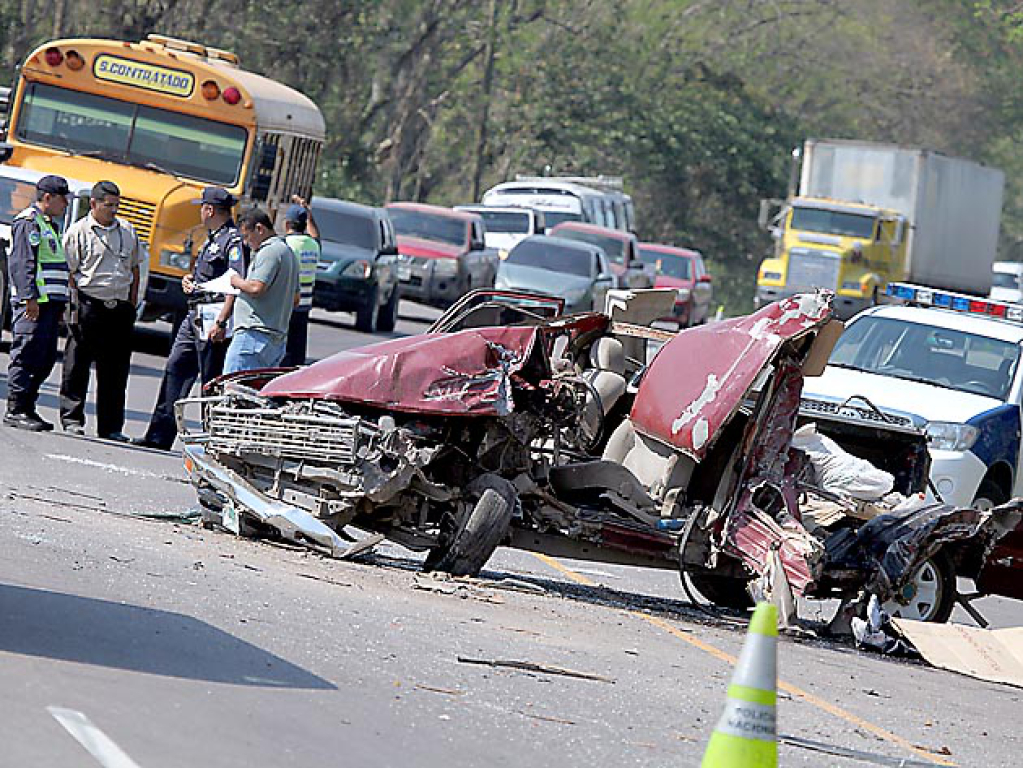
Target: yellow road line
[717,653]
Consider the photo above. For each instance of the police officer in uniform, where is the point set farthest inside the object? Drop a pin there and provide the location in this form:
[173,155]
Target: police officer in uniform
[39,288]
[303,239]
[198,352]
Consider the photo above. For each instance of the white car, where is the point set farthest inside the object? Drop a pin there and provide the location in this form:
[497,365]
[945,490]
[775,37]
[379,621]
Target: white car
[1007,281]
[946,363]
[507,226]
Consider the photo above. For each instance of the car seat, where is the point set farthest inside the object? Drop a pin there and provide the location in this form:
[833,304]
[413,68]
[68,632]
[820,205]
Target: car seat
[606,376]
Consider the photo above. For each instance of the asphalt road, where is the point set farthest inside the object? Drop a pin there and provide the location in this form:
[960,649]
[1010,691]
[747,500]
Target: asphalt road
[158,643]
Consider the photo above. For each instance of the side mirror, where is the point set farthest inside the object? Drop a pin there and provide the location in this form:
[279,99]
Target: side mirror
[389,250]
[704,279]
[476,245]
[604,277]
[6,150]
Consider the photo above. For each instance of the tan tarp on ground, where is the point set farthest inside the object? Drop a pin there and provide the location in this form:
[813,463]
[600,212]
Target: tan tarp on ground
[995,655]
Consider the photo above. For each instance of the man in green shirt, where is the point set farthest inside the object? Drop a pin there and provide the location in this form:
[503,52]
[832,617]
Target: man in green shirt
[267,295]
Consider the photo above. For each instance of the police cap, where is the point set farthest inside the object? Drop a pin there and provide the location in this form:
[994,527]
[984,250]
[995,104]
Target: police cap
[217,197]
[296,214]
[55,185]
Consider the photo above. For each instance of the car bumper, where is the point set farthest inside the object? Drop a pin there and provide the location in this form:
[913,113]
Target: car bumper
[341,294]
[419,282]
[957,476]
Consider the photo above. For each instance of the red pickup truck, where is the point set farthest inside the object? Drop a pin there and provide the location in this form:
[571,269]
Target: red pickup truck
[441,253]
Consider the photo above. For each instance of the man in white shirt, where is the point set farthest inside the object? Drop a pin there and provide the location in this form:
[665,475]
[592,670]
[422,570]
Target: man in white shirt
[104,256]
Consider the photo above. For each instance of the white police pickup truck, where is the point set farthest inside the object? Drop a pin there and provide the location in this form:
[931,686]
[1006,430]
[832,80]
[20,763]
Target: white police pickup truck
[944,363]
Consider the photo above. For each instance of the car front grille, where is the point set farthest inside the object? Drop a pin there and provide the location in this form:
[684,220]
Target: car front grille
[810,407]
[812,269]
[140,214]
[278,433]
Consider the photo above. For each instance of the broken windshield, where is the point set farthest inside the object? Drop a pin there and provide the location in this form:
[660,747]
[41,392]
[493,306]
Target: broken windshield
[965,362]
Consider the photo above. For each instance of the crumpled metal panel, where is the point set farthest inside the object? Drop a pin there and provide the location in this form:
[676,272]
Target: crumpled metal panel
[463,373]
[701,377]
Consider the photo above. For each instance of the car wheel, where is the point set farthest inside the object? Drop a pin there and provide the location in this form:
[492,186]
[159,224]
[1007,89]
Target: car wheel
[388,318]
[366,315]
[723,591]
[929,595]
[989,495]
[465,549]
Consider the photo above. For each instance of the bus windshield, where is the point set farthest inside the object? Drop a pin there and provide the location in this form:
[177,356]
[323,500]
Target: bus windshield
[147,137]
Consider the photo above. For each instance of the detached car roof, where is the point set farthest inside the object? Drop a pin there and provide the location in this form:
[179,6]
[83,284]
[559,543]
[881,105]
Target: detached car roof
[1003,330]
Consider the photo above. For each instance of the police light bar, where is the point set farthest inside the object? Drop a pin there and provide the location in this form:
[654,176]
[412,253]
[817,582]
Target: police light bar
[922,296]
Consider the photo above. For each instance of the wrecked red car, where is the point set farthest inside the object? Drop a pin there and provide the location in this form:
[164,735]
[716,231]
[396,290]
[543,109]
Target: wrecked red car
[507,424]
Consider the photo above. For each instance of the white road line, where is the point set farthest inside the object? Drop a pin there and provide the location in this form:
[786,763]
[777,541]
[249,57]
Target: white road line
[99,745]
[107,466]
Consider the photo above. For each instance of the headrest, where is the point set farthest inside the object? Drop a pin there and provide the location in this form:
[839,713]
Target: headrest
[607,354]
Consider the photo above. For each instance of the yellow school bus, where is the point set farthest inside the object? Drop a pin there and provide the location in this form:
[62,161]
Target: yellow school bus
[163,118]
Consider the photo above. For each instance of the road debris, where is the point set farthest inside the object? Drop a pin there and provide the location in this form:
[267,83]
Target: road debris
[546,718]
[994,655]
[326,579]
[529,666]
[854,754]
[450,586]
[433,689]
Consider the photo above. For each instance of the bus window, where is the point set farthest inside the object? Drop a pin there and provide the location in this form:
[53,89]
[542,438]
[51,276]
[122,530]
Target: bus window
[84,123]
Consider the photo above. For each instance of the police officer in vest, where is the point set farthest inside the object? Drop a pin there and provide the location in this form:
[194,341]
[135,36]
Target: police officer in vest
[39,293]
[303,239]
[198,351]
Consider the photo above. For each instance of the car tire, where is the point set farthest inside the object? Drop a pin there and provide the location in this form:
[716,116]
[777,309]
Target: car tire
[930,594]
[366,315]
[989,495]
[722,591]
[466,549]
[388,317]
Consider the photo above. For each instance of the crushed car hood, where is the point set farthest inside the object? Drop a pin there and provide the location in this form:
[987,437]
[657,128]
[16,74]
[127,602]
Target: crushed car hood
[701,377]
[463,373]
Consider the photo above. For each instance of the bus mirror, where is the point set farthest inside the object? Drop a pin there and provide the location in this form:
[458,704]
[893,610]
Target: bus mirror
[6,150]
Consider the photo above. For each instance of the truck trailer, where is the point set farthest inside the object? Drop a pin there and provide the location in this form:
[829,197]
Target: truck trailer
[866,214]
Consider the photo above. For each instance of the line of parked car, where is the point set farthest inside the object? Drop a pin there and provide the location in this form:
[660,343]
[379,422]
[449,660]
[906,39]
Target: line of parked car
[555,237]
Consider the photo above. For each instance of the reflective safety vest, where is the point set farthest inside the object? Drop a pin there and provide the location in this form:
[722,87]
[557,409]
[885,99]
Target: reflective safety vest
[308,252]
[51,263]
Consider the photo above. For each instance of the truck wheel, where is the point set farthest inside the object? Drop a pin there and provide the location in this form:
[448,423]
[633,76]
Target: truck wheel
[388,317]
[465,549]
[366,315]
[929,595]
[723,591]
[989,495]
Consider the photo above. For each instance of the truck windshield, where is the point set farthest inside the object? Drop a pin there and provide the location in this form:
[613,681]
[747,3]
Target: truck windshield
[159,139]
[429,226]
[533,253]
[947,358]
[344,228]
[833,222]
[667,264]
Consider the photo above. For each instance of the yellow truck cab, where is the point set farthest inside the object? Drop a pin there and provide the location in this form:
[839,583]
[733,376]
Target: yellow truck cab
[865,214]
[852,249]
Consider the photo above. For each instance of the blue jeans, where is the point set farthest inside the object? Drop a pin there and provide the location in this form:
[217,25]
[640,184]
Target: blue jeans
[251,349]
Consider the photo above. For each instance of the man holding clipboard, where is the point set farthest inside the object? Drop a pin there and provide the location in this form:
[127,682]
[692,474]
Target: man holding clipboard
[201,342]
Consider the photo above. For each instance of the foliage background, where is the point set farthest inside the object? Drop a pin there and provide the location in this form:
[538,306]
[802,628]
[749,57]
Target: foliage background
[696,103]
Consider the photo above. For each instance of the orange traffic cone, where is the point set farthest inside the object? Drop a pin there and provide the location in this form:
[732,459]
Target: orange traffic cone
[746,734]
